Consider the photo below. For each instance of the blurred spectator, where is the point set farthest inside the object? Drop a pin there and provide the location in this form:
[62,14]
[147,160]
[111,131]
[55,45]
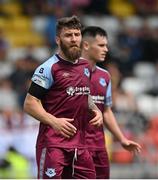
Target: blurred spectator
[99,7]
[124,103]
[4,168]
[33,8]
[146,7]
[127,99]
[130,49]
[45,8]
[77,7]
[149,140]
[20,77]
[5,64]
[16,164]
[8,96]
[150,43]
[50,29]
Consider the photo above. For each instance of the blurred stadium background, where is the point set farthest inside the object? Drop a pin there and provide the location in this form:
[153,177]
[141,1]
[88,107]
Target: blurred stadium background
[27,31]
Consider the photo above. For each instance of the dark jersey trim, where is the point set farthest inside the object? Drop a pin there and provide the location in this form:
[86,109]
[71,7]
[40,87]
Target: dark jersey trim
[37,91]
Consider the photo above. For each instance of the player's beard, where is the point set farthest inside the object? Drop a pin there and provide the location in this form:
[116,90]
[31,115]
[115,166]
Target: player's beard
[71,53]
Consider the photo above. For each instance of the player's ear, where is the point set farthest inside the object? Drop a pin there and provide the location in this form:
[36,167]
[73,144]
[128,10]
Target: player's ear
[85,45]
[57,39]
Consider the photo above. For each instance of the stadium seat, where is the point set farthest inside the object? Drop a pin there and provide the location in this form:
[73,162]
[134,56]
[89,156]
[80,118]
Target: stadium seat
[152,22]
[133,22]
[16,53]
[41,53]
[122,156]
[135,85]
[121,8]
[110,23]
[144,70]
[39,23]
[21,23]
[2,23]
[25,39]
[12,9]
[146,104]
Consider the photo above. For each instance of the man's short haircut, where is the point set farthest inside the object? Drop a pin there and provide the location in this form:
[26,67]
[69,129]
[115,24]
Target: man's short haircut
[93,31]
[72,22]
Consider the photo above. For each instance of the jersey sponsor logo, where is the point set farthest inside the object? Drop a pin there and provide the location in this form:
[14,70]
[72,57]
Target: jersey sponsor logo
[71,91]
[50,172]
[98,99]
[102,82]
[86,72]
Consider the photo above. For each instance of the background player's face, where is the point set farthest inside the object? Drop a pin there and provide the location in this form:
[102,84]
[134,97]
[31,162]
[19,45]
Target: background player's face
[98,48]
[69,42]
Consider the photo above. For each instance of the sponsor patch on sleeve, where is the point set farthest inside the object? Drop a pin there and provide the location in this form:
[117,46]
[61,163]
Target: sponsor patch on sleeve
[40,80]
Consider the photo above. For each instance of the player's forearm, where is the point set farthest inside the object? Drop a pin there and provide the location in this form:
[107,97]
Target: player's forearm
[91,104]
[33,107]
[111,124]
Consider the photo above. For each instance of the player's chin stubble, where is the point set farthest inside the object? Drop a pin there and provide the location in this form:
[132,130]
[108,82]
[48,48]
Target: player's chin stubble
[72,53]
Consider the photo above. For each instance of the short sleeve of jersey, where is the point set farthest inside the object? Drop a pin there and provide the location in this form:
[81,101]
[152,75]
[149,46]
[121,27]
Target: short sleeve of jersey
[43,76]
[108,97]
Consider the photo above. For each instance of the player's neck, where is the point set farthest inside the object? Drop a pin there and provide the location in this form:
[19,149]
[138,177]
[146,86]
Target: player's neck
[61,55]
[93,65]
[91,62]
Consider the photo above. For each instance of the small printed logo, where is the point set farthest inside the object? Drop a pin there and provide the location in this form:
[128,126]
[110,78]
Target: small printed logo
[66,74]
[70,91]
[39,81]
[86,72]
[50,172]
[102,81]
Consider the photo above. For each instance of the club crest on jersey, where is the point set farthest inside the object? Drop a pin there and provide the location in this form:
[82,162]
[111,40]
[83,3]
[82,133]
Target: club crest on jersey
[102,82]
[86,72]
[50,172]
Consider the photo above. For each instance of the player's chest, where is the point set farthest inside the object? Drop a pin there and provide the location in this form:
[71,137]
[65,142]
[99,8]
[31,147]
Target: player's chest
[98,85]
[72,77]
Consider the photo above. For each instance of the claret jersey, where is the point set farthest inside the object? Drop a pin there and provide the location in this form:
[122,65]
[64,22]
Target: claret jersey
[68,86]
[101,94]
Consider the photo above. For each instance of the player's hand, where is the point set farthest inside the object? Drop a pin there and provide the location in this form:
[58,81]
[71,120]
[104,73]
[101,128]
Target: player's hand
[64,127]
[131,146]
[98,118]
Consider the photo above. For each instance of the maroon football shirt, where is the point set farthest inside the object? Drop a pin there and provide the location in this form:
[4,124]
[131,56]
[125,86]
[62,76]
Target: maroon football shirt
[68,88]
[101,94]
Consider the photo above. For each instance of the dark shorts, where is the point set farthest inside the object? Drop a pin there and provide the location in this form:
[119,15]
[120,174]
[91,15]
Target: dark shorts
[57,163]
[101,162]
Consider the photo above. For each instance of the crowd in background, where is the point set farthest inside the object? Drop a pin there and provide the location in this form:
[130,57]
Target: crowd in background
[27,38]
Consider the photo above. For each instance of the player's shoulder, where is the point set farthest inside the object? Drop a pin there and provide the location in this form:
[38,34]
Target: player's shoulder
[83,61]
[50,61]
[103,71]
[46,66]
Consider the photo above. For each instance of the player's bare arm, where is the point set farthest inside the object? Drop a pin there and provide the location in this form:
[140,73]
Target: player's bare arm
[111,123]
[33,107]
[98,119]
